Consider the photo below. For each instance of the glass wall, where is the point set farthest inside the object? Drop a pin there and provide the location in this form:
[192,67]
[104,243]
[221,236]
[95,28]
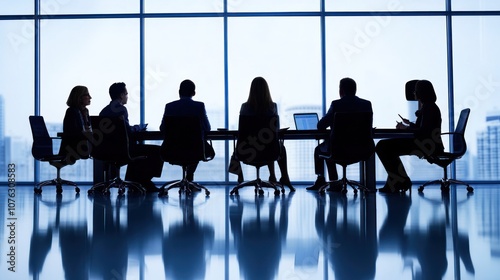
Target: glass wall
[302,48]
[16,98]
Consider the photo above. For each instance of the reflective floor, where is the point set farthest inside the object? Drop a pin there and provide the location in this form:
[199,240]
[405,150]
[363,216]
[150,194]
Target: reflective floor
[294,236]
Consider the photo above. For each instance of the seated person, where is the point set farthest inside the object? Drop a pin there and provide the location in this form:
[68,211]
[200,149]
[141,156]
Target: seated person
[260,103]
[142,170]
[76,126]
[427,140]
[348,102]
[186,106]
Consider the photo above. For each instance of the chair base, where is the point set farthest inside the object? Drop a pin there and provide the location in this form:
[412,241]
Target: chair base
[58,182]
[259,187]
[104,187]
[445,185]
[184,186]
[355,185]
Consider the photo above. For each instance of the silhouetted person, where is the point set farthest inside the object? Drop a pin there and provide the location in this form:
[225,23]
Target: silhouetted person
[141,170]
[76,126]
[260,103]
[186,106]
[186,244]
[348,102]
[426,140]
[259,240]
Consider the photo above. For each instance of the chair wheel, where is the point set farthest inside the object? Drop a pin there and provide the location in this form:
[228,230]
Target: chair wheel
[261,192]
[470,189]
[207,193]
[77,189]
[59,190]
[277,192]
[38,191]
[355,191]
[421,189]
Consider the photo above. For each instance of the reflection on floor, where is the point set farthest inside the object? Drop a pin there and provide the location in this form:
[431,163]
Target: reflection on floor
[292,236]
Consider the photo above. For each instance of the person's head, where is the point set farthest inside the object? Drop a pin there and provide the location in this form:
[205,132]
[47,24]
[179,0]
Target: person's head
[118,91]
[424,92]
[187,89]
[260,95]
[347,86]
[79,97]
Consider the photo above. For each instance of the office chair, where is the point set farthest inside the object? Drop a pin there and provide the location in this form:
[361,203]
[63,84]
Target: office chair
[42,150]
[351,141]
[459,147]
[110,144]
[183,145]
[410,90]
[258,145]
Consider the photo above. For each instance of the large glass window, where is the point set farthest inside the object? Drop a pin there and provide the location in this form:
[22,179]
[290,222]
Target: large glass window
[384,5]
[102,52]
[16,97]
[287,53]
[96,43]
[88,6]
[477,86]
[179,49]
[382,54]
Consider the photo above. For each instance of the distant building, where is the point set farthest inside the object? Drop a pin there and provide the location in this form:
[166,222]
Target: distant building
[488,147]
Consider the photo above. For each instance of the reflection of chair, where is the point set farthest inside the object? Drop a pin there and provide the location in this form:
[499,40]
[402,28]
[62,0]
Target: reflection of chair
[110,144]
[258,144]
[459,147]
[183,145]
[42,150]
[351,141]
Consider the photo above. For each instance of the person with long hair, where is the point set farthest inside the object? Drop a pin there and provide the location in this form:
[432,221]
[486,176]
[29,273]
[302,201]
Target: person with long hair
[76,125]
[260,103]
[426,140]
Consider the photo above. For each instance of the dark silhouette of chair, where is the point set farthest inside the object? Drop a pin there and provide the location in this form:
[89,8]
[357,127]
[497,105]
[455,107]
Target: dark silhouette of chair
[183,145]
[458,149]
[42,150]
[410,90]
[258,144]
[351,141]
[110,144]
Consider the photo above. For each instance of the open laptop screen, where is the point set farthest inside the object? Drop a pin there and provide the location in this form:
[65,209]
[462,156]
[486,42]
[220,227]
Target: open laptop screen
[305,121]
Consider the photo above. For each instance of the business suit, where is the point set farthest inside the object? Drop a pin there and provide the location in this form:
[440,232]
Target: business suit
[74,142]
[141,170]
[347,103]
[186,106]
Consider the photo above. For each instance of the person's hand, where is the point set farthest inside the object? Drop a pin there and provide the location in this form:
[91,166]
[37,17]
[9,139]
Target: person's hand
[405,121]
[400,125]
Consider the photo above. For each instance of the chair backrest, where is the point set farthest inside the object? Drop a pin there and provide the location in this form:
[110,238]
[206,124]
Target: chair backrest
[352,136]
[410,90]
[110,140]
[42,143]
[183,141]
[457,139]
[258,141]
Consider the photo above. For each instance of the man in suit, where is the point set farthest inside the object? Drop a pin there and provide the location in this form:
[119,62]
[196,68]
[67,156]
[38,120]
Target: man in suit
[141,170]
[186,106]
[348,102]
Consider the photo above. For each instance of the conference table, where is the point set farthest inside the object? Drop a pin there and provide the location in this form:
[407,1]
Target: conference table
[367,168]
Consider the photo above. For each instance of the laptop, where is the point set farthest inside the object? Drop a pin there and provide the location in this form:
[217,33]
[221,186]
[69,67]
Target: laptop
[306,121]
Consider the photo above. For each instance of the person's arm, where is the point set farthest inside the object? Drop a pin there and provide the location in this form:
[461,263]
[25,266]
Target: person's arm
[162,125]
[327,120]
[205,123]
